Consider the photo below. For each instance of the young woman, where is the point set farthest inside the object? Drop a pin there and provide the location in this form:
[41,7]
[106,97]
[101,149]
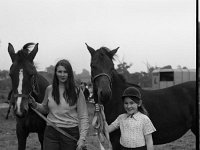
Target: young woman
[135,126]
[66,108]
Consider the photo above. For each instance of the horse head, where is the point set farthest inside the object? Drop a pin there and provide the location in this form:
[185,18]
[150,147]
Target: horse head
[101,73]
[23,76]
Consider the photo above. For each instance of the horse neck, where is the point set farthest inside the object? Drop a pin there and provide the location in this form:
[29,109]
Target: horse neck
[118,86]
[42,84]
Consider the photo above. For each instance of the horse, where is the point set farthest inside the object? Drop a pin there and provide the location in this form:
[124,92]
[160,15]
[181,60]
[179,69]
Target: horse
[171,110]
[26,83]
[10,104]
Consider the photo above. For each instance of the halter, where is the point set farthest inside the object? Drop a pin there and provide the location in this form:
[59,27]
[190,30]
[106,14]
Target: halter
[102,74]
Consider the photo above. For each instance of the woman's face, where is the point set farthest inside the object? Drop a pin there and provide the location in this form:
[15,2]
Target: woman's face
[62,74]
[130,106]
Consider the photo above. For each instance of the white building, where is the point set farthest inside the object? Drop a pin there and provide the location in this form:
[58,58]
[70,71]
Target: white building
[163,78]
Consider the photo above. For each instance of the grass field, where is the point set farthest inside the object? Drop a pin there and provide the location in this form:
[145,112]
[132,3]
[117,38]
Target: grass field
[8,139]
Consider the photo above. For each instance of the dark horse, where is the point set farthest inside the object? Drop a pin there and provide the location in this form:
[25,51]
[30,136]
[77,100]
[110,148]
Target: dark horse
[26,82]
[172,110]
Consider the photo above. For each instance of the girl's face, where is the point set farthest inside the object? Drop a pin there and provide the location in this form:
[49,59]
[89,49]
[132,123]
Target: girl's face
[62,74]
[130,106]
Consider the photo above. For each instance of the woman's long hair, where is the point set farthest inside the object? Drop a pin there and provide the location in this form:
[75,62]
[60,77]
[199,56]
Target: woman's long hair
[70,94]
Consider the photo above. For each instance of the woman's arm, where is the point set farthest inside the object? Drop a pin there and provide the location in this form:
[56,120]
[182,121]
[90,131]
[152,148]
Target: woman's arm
[149,142]
[82,115]
[43,107]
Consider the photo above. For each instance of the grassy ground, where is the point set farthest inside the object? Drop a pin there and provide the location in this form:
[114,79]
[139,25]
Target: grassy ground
[8,139]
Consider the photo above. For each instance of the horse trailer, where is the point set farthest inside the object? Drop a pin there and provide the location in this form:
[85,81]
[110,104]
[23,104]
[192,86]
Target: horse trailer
[163,78]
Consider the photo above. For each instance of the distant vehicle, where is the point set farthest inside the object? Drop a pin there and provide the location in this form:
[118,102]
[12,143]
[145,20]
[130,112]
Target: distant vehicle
[163,78]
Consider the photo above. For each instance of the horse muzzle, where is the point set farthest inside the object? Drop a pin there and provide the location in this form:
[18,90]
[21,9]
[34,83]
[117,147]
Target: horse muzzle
[104,95]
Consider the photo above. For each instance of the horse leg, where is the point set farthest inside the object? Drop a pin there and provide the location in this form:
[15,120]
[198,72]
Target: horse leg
[21,137]
[8,112]
[41,138]
[194,127]
[10,103]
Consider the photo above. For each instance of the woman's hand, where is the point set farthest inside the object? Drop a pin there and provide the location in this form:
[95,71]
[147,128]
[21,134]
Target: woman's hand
[32,102]
[81,145]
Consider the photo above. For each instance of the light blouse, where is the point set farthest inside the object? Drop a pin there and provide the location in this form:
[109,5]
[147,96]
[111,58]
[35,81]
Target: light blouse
[133,129]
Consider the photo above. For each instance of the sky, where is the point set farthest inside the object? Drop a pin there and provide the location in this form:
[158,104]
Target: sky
[154,32]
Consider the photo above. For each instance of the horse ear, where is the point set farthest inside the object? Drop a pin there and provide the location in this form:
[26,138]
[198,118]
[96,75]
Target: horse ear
[91,50]
[33,52]
[114,51]
[11,52]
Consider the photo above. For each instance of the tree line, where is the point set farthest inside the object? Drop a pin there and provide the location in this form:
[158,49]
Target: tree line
[143,79]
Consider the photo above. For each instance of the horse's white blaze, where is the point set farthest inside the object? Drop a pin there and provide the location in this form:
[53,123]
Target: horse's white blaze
[19,89]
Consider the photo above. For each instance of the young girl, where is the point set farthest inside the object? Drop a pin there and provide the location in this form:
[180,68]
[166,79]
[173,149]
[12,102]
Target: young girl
[135,126]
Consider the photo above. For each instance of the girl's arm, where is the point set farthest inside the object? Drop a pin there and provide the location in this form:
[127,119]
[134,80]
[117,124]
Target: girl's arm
[111,128]
[149,142]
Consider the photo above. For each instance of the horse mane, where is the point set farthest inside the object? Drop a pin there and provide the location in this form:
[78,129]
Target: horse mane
[135,85]
[122,78]
[106,51]
[27,46]
[23,53]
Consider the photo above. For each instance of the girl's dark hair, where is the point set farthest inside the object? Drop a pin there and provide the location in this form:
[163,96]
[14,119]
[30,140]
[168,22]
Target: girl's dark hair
[143,110]
[70,94]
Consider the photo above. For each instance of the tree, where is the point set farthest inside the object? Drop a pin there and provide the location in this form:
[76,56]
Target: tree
[122,68]
[4,74]
[84,76]
[50,69]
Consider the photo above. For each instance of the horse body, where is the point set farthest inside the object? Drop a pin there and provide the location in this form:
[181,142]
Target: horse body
[26,82]
[172,110]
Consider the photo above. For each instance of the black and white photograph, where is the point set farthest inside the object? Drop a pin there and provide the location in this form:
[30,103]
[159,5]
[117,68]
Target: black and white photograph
[98,75]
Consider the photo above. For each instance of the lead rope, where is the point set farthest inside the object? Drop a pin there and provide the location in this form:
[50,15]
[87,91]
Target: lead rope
[53,125]
[99,123]
[87,145]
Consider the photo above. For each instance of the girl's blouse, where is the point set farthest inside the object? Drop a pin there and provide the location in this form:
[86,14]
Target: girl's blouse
[66,116]
[133,129]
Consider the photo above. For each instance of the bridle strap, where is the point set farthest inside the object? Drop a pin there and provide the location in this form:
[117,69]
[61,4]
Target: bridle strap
[21,95]
[33,82]
[102,74]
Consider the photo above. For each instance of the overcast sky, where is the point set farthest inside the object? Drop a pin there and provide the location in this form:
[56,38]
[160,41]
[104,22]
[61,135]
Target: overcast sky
[158,32]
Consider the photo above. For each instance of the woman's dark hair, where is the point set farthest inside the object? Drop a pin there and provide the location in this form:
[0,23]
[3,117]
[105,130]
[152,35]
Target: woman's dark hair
[70,94]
